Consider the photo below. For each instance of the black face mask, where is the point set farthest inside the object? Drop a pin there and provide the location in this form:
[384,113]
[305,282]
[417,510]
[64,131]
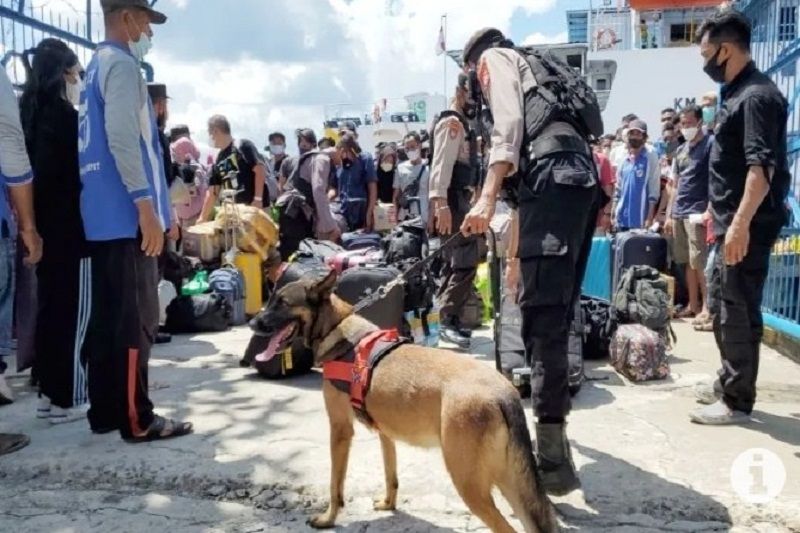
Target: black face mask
[713,70]
[635,143]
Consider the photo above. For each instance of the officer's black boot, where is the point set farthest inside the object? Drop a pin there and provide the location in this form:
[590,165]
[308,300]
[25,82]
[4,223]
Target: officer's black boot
[554,460]
[461,329]
[449,333]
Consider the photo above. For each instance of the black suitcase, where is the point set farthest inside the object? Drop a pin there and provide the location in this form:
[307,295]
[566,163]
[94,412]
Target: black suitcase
[638,247]
[355,284]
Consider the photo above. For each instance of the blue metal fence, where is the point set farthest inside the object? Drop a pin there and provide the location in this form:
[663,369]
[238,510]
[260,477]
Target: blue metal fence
[776,50]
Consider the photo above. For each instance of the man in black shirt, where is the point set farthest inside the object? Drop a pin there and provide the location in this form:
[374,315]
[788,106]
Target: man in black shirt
[240,168]
[748,183]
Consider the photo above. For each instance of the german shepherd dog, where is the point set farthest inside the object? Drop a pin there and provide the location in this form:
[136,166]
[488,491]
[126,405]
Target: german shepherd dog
[422,396]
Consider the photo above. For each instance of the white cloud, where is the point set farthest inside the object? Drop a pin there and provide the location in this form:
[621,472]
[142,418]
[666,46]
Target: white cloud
[541,38]
[382,49]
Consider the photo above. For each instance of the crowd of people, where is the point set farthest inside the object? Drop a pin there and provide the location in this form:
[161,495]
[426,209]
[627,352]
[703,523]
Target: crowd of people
[97,209]
[661,184]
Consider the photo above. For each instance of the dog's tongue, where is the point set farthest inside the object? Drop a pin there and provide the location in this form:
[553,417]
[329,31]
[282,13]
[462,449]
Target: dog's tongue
[274,343]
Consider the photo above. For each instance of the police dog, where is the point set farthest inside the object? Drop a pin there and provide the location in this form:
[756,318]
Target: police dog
[422,396]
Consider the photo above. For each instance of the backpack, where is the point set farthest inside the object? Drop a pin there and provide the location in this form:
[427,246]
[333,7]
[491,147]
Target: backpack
[198,314]
[642,297]
[420,286]
[407,241]
[561,94]
[639,353]
[601,323]
[229,283]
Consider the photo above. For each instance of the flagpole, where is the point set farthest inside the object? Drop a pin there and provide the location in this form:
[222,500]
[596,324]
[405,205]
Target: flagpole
[444,26]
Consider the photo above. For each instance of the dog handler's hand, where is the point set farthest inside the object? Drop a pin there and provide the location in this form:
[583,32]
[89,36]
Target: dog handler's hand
[152,232]
[737,241]
[477,220]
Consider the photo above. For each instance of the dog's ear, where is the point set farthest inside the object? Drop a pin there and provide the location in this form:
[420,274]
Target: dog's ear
[323,288]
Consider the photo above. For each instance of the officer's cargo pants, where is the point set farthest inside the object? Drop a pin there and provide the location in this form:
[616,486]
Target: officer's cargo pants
[559,199]
[459,260]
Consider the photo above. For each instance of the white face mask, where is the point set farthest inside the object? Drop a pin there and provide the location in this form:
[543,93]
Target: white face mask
[74,93]
[277,149]
[142,48]
[413,155]
[387,167]
[690,133]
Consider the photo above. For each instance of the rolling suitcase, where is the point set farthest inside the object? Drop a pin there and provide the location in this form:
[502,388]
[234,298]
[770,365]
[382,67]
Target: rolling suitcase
[638,247]
[357,283]
[250,267]
[597,280]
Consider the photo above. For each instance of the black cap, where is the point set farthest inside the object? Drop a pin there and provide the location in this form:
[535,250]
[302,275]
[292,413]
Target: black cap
[177,131]
[156,17]
[480,41]
[306,134]
[157,91]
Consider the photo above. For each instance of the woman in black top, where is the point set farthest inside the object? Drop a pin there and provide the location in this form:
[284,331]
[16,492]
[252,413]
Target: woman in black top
[387,164]
[50,123]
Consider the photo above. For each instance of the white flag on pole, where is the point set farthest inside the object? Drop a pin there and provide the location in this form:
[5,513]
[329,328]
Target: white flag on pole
[441,46]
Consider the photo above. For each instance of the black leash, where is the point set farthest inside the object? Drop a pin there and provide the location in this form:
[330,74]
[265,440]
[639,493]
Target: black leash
[403,278]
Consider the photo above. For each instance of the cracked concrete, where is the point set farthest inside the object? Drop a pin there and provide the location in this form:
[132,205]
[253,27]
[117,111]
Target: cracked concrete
[259,460]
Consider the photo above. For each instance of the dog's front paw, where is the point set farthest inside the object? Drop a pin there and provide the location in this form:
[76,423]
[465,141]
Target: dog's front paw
[384,504]
[321,521]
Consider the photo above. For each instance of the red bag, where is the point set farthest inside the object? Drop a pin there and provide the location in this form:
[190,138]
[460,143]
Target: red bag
[345,260]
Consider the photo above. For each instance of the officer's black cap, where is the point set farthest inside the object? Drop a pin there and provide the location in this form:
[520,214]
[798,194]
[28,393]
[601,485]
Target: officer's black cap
[480,41]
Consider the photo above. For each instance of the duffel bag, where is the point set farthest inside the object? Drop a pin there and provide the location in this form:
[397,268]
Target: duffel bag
[360,240]
[321,250]
[639,353]
[198,314]
[358,283]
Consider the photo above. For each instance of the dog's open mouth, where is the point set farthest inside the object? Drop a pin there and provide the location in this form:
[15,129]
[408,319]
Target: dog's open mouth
[275,343]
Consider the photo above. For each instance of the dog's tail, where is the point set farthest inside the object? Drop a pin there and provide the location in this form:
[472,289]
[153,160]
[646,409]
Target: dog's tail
[522,487]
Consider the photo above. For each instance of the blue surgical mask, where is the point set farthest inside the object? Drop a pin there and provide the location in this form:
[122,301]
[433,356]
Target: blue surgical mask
[709,114]
[277,149]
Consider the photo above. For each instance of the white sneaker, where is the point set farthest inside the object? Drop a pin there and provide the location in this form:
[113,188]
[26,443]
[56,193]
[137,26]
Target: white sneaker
[59,415]
[6,396]
[43,407]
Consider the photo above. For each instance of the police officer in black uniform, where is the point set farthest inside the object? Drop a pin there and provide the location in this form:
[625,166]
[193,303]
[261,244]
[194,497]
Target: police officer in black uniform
[558,195]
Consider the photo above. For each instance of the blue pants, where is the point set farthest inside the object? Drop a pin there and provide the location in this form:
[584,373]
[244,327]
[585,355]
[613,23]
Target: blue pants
[7,284]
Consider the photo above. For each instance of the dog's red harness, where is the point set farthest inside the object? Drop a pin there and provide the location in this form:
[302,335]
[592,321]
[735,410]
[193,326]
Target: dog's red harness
[358,372]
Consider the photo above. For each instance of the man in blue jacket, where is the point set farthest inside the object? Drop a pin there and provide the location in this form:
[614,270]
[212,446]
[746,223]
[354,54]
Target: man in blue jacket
[126,212]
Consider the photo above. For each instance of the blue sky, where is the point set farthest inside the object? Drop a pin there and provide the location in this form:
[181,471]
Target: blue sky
[275,64]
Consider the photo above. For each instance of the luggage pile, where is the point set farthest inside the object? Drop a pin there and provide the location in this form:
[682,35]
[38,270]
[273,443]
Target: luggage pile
[222,285]
[642,307]
[366,263]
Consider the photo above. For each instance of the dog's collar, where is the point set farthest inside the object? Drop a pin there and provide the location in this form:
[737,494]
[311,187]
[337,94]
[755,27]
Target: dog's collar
[351,330]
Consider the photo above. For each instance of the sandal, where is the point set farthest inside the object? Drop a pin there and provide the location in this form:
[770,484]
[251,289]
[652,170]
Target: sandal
[162,429]
[702,318]
[706,326]
[10,443]
[686,313]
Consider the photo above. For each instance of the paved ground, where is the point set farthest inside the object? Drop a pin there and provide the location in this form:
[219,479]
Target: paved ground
[259,460]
